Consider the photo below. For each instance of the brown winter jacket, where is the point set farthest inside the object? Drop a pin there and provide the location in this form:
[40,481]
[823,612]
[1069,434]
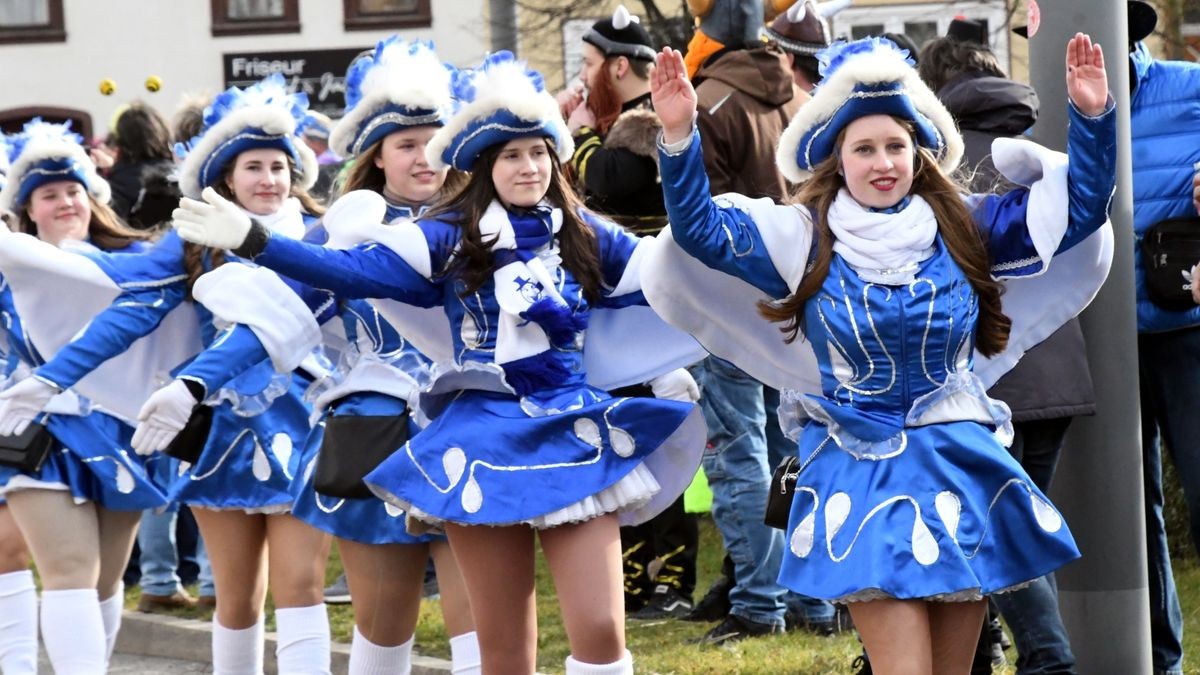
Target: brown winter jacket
[745,97]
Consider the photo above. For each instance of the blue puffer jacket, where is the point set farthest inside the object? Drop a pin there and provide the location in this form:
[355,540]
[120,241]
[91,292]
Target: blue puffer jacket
[1166,145]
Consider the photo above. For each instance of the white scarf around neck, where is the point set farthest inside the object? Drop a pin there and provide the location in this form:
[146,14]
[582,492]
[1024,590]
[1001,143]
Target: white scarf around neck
[882,247]
[518,286]
[287,221]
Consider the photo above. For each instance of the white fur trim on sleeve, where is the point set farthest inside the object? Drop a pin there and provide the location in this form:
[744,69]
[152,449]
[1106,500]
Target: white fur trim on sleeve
[258,298]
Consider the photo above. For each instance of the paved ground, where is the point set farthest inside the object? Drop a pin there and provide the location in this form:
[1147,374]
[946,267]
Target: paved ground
[142,665]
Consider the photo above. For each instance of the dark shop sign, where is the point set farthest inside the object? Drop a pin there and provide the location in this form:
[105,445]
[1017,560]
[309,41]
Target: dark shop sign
[320,73]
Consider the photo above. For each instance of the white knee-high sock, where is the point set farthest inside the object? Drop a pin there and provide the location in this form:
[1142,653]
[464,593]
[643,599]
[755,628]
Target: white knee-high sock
[73,631]
[622,667]
[368,658]
[110,612]
[464,655]
[18,623]
[237,652]
[302,635]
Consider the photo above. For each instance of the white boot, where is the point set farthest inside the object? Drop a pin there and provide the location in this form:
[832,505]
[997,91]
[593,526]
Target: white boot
[110,612]
[237,652]
[302,635]
[368,658]
[464,655]
[622,667]
[18,623]
[73,631]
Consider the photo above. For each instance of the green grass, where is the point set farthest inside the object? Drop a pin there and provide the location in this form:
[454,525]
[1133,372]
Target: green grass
[661,647]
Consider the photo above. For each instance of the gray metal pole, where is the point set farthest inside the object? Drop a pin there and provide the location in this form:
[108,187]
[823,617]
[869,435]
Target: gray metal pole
[503,15]
[1104,596]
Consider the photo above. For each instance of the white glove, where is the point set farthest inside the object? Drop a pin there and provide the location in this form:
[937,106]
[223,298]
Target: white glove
[215,222]
[1194,278]
[21,403]
[162,417]
[676,385]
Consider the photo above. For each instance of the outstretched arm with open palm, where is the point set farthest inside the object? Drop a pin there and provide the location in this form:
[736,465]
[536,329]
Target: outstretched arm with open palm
[1087,81]
[672,94]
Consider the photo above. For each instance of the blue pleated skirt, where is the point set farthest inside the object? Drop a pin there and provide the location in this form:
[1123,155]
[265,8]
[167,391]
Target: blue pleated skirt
[367,521]
[487,459]
[951,516]
[91,458]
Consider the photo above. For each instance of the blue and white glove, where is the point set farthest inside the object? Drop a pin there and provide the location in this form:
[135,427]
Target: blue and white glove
[215,222]
[21,403]
[162,417]
[677,385]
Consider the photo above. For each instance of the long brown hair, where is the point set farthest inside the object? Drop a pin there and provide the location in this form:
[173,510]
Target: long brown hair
[955,225]
[105,229]
[194,254]
[472,263]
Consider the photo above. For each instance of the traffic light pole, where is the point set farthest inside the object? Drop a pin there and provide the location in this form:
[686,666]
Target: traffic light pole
[1103,596]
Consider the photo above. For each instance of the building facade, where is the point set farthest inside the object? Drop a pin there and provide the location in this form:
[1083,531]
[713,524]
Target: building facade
[60,57]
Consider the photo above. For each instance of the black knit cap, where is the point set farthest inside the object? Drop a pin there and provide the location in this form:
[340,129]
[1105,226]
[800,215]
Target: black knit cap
[630,40]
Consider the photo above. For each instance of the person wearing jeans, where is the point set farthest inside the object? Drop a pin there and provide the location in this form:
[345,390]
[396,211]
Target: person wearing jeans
[159,558]
[738,470]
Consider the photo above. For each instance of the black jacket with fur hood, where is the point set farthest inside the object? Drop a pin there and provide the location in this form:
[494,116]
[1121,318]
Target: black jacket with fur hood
[618,174]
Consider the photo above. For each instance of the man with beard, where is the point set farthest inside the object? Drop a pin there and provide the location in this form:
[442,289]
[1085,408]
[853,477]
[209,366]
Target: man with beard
[616,169]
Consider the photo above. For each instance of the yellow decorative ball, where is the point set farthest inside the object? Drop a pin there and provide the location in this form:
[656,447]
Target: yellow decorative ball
[153,83]
[107,86]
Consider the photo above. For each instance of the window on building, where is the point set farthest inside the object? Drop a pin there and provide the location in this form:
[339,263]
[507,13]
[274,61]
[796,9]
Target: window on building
[921,32]
[245,17]
[13,120]
[862,30]
[376,14]
[924,21]
[31,21]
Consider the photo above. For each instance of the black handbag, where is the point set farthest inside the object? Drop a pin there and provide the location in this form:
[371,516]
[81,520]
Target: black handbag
[27,450]
[352,447]
[783,490]
[1170,248]
[190,441]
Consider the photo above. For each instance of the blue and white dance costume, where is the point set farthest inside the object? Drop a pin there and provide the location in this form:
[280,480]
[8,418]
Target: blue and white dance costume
[259,416]
[373,375]
[904,490]
[503,424]
[91,457]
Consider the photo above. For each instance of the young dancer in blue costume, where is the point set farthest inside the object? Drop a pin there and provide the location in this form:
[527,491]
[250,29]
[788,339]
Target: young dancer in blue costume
[519,442]
[907,506]
[396,97]
[79,511]
[240,487]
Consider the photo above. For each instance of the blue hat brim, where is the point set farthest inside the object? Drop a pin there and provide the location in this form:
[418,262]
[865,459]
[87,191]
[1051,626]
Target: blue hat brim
[501,126]
[247,139]
[390,119]
[889,98]
[50,171]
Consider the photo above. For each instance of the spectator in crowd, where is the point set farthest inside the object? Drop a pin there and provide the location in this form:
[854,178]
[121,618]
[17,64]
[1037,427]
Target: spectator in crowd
[1165,127]
[615,166]
[316,136]
[142,146]
[801,32]
[746,95]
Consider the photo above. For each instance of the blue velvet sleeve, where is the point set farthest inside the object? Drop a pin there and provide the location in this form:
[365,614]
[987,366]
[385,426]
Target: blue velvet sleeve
[134,314]
[236,350]
[365,271]
[724,238]
[1091,179]
[616,249]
